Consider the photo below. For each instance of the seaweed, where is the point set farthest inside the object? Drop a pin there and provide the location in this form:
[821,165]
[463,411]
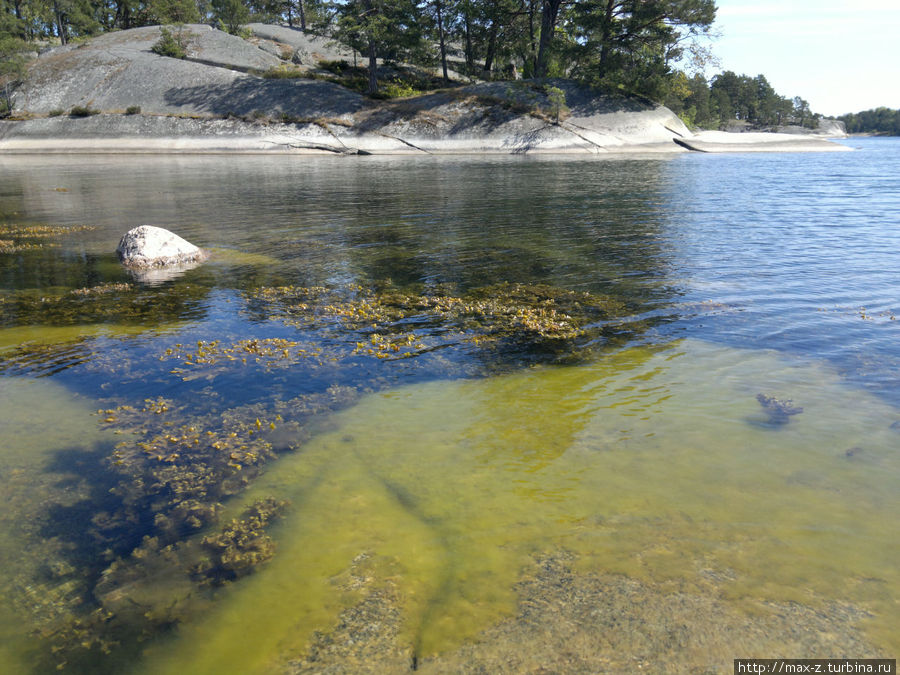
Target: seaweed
[241,546]
[390,323]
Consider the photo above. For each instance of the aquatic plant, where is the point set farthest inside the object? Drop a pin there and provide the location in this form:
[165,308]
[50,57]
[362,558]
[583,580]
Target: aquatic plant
[19,238]
[41,231]
[145,551]
[241,546]
[108,302]
[270,353]
[391,323]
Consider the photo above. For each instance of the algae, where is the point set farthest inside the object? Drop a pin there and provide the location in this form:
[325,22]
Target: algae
[531,321]
[638,464]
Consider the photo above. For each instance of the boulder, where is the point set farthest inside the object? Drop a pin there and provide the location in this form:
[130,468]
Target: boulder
[302,57]
[148,246]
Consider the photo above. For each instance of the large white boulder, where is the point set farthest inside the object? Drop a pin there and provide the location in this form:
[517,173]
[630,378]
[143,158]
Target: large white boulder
[147,246]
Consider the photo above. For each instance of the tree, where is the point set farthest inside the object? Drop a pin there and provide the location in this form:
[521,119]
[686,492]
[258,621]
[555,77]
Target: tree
[378,29]
[12,69]
[549,17]
[72,18]
[232,13]
[173,11]
[631,44]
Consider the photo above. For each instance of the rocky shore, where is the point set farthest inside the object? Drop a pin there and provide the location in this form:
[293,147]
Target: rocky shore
[112,94]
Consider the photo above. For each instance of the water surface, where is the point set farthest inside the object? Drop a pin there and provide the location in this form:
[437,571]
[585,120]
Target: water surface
[378,344]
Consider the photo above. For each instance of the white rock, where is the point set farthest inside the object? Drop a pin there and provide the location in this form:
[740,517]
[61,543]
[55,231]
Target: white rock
[149,246]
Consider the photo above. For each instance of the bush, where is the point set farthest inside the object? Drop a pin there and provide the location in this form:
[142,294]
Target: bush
[82,111]
[398,89]
[133,110]
[173,43]
[56,112]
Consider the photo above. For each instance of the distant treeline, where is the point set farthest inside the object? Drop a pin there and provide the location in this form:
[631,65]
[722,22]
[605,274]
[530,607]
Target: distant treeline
[878,121]
[628,46]
[728,97]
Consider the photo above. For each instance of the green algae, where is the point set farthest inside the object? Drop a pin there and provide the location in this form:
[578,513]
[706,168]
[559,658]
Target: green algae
[641,465]
[125,553]
[444,493]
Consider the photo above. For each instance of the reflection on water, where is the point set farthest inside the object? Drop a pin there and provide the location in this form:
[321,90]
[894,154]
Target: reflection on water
[521,414]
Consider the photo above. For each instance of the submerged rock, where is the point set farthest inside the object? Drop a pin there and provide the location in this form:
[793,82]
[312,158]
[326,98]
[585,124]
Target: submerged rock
[779,411]
[148,247]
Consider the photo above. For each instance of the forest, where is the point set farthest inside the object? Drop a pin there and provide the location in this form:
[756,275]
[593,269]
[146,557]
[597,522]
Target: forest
[656,49]
[880,121]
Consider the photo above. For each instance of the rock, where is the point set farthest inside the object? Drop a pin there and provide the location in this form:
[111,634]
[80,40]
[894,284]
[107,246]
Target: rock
[302,57]
[779,410]
[148,247]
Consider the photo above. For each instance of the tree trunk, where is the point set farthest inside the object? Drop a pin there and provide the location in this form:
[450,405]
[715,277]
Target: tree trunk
[548,25]
[302,15]
[440,21]
[470,57]
[60,24]
[532,42]
[373,69]
[606,36]
[491,49]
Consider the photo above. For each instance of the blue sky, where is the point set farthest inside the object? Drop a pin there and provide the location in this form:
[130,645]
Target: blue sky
[840,56]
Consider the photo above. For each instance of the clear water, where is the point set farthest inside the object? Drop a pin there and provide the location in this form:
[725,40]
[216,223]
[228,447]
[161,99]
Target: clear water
[627,501]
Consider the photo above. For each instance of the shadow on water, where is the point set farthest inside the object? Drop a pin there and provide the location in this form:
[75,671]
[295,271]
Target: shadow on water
[93,531]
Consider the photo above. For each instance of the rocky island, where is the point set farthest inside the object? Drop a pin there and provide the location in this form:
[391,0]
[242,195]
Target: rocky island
[272,93]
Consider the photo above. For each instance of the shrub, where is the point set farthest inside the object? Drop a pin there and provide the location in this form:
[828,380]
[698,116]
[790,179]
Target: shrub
[398,90]
[82,111]
[133,110]
[173,43]
[56,112]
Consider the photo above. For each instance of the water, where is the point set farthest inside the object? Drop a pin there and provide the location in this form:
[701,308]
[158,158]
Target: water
[470,481]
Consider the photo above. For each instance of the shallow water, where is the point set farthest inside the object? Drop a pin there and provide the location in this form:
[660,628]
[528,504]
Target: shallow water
[439,503]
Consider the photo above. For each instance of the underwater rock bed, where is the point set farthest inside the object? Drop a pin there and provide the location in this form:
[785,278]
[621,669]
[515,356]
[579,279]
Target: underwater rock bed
[153,549]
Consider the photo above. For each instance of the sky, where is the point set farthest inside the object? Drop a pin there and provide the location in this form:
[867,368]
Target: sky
[842,57]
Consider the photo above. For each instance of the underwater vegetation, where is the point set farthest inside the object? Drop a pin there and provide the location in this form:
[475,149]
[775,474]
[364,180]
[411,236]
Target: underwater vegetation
[391,323]
[150,551]
[147,555]
[241,546]
[18,238]
[112,302]
[270,353]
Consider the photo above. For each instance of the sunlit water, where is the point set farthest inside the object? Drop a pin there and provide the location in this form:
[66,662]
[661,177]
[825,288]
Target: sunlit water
[472,508]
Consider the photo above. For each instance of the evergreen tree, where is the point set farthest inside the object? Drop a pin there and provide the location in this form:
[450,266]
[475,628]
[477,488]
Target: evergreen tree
[232,14]
[385,29]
